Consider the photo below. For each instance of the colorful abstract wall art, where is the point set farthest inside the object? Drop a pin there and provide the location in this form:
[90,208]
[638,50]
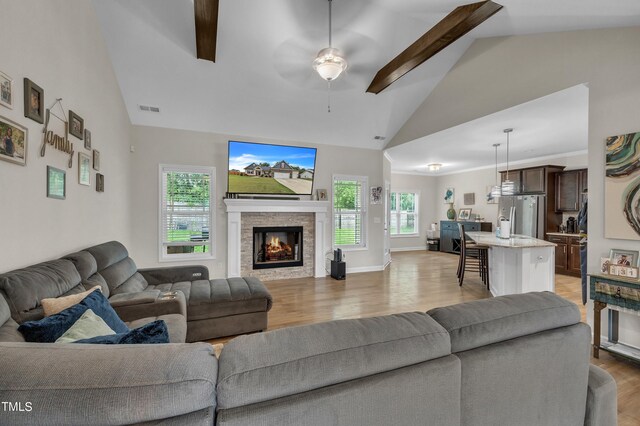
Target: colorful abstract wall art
[622,187]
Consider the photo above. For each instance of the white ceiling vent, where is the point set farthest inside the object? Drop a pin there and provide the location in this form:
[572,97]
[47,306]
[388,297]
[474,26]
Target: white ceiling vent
[379,138]
[148,108]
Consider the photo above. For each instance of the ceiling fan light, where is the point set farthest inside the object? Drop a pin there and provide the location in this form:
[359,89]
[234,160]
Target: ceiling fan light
[329,63]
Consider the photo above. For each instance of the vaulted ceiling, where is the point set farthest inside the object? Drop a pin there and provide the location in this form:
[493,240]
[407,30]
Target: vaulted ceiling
[262,83]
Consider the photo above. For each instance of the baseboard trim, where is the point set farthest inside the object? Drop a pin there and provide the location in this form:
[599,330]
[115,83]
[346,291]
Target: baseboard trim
[421,248]
[359,269]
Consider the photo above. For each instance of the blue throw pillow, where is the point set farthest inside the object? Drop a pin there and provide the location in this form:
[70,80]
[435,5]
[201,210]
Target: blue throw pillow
[154,332]
[49,329]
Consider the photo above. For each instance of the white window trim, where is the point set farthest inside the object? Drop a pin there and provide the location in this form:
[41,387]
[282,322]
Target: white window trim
[365,217]
[162,257]
[417,214]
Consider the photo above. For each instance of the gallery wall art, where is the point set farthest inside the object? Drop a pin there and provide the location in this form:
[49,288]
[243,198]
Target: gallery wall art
[622,187]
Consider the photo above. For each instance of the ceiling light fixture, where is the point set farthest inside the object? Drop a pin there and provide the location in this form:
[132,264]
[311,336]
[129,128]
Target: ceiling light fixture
[329,62]
[434,167]
[496,191]
[508,186]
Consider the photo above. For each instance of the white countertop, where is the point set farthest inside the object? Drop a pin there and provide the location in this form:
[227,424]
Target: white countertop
[516,241]
[563,234]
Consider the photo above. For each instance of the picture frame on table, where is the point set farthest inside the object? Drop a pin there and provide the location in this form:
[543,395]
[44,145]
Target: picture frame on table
[622,257]
[84,169]
[56,183]
[605,262]
[14,139]
[6,90]
[33,101]
[76,125]
[464,214]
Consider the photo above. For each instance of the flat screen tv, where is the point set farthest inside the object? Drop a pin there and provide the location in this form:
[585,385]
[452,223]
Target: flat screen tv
[256,168]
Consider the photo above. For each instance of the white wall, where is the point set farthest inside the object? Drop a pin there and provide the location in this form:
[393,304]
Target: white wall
[501,72]
[427,209]
[58,45]
[154,146]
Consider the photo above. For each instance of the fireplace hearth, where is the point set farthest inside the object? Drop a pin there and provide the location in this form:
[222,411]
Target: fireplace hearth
[277,247]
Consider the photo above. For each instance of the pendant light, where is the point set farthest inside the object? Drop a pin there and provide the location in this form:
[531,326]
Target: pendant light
[496,191]
[508,186]
[329,62]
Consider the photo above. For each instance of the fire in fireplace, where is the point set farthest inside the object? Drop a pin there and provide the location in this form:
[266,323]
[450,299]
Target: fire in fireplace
[277,247]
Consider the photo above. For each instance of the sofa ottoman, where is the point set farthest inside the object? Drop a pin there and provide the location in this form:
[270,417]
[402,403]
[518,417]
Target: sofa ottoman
[225,307]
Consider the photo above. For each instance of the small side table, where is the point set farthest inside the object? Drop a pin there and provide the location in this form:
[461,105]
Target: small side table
[617,294]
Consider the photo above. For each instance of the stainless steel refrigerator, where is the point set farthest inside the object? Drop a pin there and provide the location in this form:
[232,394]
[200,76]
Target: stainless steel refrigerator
[526,213]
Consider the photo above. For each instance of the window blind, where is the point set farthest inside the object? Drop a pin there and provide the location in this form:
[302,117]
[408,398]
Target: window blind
[185,211]
[349,211]
[404,213]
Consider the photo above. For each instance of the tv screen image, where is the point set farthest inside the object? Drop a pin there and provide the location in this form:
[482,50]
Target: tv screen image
[256,168]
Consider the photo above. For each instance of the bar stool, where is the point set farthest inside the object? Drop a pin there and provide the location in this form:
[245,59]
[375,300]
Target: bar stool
[473,257]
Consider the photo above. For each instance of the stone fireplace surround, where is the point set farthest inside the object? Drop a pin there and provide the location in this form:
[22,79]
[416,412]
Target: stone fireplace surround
[243,214]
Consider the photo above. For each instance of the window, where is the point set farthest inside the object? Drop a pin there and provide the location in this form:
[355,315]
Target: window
[404,213]
[187,227]
[349,211]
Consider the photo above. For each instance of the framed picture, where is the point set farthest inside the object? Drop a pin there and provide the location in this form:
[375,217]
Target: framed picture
[76,125]
[605,262]
[87,139]
[96,160]
[464,214]
[322,194]
[99,182]
[13,142]
[6,90]
[33,101]
[56,183]
[449,195]
[490,198]
[469,198]
[84,169]
[376,195]
[623,257]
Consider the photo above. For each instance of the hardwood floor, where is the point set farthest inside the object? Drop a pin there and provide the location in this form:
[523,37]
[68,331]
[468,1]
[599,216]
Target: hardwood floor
[419,281]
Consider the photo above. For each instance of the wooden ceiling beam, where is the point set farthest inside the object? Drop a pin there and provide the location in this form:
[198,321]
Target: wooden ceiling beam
[456,24]
[206,12]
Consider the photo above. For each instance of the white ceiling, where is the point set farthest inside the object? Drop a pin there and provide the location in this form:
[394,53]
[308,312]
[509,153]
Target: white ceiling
[262,84]
[547,127]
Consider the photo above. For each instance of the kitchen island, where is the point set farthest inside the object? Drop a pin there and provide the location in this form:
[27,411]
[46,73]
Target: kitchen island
[519,264]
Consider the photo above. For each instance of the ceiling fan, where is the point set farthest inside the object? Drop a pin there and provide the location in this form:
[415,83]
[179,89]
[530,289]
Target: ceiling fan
[293,55]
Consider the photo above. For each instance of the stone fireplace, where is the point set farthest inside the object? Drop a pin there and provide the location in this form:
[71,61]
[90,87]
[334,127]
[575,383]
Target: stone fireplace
[263,236]
[277,247]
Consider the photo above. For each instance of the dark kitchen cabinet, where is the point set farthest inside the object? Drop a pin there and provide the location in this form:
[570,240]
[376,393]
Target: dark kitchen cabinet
[567,254]
[533,180]
[569,187]
[450,235]
[573,259]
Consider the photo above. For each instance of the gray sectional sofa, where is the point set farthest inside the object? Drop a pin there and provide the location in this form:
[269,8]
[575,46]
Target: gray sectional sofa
[511,360]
